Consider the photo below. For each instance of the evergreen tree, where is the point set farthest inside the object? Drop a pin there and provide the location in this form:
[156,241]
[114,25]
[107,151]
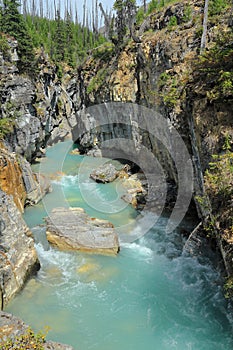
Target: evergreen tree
[70,44]
[13,23]
[119,7]
[59,38]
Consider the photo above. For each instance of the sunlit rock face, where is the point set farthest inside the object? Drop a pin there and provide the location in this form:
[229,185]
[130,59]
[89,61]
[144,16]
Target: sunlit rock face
[18,180]
[18,257]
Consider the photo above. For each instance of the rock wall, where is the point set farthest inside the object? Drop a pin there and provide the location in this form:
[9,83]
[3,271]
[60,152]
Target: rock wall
[159,73]
[18,180]
[39,109]
[18,257]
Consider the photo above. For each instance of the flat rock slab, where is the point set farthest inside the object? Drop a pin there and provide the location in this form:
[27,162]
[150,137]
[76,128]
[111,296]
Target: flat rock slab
[73,229]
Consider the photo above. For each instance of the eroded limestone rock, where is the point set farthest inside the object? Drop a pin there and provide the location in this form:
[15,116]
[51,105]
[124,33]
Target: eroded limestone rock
[18,257]
[104,173]
[73,229]
[134,188]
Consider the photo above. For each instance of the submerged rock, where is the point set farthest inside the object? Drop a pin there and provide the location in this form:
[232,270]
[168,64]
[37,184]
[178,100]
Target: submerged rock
[73,229]
[18,257]
[105,173]
[12,327]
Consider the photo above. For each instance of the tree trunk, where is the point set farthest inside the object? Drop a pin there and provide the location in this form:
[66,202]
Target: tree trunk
[205,21]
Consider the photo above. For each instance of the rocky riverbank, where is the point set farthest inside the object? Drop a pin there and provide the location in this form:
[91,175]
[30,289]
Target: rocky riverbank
[13,328]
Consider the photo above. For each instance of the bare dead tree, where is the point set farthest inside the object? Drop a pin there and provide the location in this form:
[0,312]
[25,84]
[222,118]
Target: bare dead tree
[106,20]
[205,22]
[25,8]
[84,22]
[76,14]
[96,15]
[144,6]
[41,9]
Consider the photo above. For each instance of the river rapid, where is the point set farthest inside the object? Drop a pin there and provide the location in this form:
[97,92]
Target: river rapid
[151,296]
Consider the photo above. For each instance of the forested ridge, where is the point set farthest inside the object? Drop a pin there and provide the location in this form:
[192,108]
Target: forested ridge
[59,34]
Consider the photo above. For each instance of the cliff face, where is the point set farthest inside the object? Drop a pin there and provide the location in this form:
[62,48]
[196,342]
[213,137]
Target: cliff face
[18,257]
[39,110]
[18,180]
[164,72]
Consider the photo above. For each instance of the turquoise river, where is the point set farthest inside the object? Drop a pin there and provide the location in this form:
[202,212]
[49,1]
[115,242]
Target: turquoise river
[150,297]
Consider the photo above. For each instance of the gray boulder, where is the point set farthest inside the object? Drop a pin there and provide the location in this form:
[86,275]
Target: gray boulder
[73,229]
[104,173]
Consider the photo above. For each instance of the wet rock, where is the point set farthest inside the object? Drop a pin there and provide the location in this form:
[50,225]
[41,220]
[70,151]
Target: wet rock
[73,229]
[18,257]
[94,152]
[135,190]
[36,184]
[104,173]
[12,327]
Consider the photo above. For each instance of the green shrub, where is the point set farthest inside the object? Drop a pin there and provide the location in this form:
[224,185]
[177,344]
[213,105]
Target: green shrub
[172,22]
[6,126]
[187,13]
[228,287]
[97,81]
[4,47]
[153,5]
[217,6]
[29,340]
[140,16]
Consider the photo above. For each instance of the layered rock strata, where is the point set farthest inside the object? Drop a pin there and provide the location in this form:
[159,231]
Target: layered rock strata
[18,257]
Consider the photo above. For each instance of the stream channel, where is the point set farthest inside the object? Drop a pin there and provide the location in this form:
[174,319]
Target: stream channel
[151,296]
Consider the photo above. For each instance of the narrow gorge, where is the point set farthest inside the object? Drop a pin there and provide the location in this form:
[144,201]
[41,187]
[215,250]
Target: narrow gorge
[162,110]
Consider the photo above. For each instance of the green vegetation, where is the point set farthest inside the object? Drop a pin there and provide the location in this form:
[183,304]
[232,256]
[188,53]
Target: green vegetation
[170,92]
[6,126]
[217,6]
[29,340]
[63,39]
[187,13]
[104,52]
[219,179]
[7,122]
[4,47]
[140,16]
[12,23]
[228,287]
[172,22]
[214,69]
[97,81]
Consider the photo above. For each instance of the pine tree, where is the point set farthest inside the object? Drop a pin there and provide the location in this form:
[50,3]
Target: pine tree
[59,38]
[13,23]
